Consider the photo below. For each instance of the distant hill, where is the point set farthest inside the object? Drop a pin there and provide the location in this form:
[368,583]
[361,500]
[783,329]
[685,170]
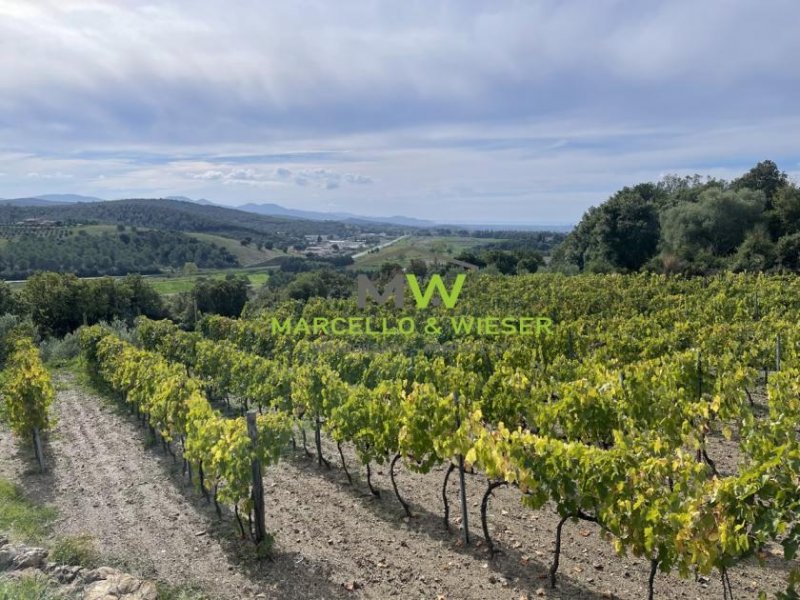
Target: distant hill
[512,226]
[27,202]
[177,215]
[278,210]
[148,236]
[201,201]
[269,209]
[69,198]
[49,200]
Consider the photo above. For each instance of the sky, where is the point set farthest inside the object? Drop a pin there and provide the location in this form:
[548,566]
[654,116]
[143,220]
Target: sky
[455,111]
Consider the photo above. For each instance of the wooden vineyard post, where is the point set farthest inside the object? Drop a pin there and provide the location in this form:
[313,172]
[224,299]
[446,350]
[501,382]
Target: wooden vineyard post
[463,495]
[699,375]
[37,446]
[570,348]
[258,484]
[461,483]
[778,352]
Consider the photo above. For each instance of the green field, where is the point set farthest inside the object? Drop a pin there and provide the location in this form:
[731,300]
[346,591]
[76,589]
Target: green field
[427,248]
[166,284]
[175,284]
[247,256]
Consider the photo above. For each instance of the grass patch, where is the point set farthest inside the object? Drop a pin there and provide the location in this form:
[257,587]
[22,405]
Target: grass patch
[175,284]
[28,588]
[23,519]
[433,249]
[75,550]
[178,592]
[246,255]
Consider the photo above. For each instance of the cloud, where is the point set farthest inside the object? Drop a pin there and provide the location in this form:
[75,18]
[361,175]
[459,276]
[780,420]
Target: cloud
[133,71]
[357,179]
[57,175]
[532,110]
[323,178]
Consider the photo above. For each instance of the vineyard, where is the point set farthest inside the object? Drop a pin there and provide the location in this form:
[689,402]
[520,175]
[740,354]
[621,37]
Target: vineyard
[608,420]
[27,393]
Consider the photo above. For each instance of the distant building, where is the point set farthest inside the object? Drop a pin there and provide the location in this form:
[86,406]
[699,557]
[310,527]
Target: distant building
[37,222]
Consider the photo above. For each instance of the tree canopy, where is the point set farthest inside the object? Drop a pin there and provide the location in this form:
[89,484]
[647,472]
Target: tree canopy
[691,225]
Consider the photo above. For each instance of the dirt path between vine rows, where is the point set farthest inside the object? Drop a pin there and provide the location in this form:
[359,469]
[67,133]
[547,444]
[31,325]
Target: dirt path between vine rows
[333,540]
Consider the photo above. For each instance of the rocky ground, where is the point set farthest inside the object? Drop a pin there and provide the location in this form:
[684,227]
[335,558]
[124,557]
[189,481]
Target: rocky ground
[104,583]
[333,540]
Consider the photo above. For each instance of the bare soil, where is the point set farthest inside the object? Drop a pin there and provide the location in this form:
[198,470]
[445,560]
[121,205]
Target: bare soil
[109,480]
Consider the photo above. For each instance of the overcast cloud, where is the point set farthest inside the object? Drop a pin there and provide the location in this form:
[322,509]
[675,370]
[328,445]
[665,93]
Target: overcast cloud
[460,110]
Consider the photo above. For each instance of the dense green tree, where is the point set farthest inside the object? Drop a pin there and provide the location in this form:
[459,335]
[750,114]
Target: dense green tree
[788,252]
[109,254]
[503,260]
[717,222]
[688,224]
[388,270]
[59,303]
[621,234]
[756,253]
[473,257]
[765,177]
[628,228]
[325,283]
[418,267]
[786,206]
[56,303]
[528,264]
[8,299]
[225,297]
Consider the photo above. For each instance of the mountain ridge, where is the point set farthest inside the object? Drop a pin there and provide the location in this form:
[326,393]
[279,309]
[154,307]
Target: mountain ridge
[270,209]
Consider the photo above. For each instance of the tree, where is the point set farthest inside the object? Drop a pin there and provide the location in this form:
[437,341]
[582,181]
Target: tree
[786,205]
[504,261]
[718,222]
[621,234]
[325,283]
[418,267]
[628,229]
[788,250]
[765,177]
[225,297]
[388,271]
[109,300]
[472,258]
[56,303]
[8,300]
[144,299]
[757,252]
[528,264]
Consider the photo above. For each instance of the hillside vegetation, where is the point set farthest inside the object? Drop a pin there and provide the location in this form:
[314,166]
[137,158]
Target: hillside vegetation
[149,237]
[174,215]
[691,225]
[109,253]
